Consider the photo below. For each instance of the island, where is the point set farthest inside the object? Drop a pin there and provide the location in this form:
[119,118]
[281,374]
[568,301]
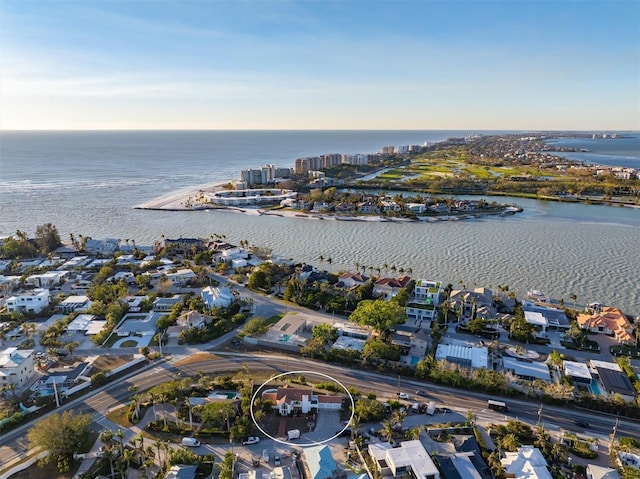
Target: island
[413,182]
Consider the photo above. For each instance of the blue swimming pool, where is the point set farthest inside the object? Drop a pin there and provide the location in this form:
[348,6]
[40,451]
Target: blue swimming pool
[595,388]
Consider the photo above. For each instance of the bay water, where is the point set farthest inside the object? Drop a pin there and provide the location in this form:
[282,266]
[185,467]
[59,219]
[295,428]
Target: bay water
[89,182]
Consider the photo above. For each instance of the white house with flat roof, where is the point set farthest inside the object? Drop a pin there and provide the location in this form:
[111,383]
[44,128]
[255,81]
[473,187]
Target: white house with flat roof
[466,356]
[424,301]
[16,366]
[410,459]
[33,301]
[48,279]
[526,369]
[73,303]
[579,372]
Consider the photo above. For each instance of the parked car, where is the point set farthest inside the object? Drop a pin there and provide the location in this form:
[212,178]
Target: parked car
[276,460]
[251,440]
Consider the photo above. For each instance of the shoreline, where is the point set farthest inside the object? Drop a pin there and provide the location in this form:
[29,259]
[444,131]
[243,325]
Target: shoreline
[182,201]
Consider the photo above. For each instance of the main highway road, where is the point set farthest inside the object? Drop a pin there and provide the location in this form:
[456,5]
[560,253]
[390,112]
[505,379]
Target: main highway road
[14,443]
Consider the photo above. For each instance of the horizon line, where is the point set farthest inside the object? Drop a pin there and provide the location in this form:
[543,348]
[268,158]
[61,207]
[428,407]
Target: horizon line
[69,130]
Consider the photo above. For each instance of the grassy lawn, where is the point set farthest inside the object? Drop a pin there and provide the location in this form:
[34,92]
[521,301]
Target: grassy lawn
[129,343]
[48,472]
[196,358]
[107,363]
[119,416]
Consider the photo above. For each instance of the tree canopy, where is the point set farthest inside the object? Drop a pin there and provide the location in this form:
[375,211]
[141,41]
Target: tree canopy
[62,435]
[380,315]
[47,238]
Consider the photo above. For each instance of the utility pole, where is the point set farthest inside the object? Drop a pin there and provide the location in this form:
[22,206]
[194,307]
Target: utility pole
[613,435]
[540,415]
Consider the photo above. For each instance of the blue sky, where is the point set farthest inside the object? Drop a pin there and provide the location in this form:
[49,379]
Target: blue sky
[370,64]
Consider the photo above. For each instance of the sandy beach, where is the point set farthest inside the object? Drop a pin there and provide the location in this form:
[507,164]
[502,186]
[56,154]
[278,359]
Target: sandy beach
[194,199]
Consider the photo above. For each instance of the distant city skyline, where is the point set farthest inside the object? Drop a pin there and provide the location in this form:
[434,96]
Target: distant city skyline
[277,64]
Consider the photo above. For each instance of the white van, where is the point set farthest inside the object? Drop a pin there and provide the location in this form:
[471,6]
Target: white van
[190,441]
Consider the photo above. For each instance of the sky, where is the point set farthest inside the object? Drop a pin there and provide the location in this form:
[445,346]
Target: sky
[337,65]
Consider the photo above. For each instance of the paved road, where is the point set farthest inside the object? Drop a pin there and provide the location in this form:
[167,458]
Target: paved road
[13,444]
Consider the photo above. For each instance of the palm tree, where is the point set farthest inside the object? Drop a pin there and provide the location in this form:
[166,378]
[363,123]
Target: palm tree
[574,297]
[321,260]
[471,417]
[387,430]
[120,435]
[510,443]
[71,346]
[414,433]
[329,261]
[386,268]
[108,454]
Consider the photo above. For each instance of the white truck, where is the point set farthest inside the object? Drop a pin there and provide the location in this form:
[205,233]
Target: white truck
[431,408]
[190,441]
[293,434]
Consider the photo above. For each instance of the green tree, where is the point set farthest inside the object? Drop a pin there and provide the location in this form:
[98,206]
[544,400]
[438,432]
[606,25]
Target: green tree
[476,326]
[218,414]
[62,435]
[380,315]
[47,238]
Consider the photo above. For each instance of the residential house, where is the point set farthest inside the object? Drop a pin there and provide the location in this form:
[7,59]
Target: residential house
[320,462]
[390,206]
[526,369]
[422,306]
[290,325]
[16,367]
[32,301]
[61,380]
[288,400]
[472,304]
[415,208]
[465,356]
[527,463]
[181,471]
[613,379]
[193,319]
[412,344]
[166,304]
[600,472]
[126,276]
[610,321]
[86,324]
[387,288]
[578,372]
[410,459]
[368,207]
[349,280]
[47,280]
[102,247]
[215,297]
[181,277]
[73,303]
[544,316]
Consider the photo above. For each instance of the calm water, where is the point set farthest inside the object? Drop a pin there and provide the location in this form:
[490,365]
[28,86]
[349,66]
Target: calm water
[87,182]
[623,151]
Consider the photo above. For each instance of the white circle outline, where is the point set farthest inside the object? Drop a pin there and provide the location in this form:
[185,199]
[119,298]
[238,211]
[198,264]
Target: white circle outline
[314,443]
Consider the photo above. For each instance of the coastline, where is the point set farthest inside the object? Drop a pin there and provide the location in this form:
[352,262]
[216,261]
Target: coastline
[186,200]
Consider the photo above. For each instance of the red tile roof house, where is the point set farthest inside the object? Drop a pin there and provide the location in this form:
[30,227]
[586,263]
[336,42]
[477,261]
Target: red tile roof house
[609,321]
[388,287]
[289,400]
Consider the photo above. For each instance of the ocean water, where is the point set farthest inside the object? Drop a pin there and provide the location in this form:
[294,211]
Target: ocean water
[623,151]
[88,182]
